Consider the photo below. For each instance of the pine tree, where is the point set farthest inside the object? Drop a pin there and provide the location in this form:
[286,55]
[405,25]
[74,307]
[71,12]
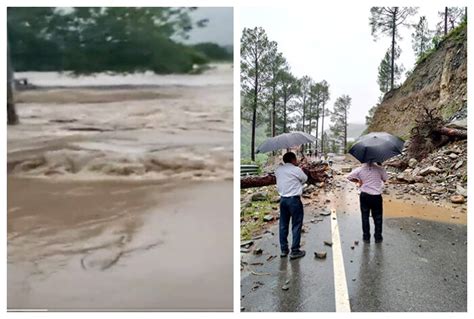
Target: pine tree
[305,84]
[450,17]
[323,111]
[277,64]
[421,37]
[387,21]
[255,53]
[339,120]
[384,78]
[288,90]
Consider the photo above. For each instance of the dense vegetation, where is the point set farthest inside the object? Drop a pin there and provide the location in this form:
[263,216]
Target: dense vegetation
[114,39]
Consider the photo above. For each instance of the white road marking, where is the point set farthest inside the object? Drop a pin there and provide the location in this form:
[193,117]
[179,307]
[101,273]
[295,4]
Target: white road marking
[340,283]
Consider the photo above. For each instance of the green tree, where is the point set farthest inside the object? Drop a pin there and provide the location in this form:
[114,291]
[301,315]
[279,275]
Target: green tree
[304,85]
[384,77]
[387,21]
[322,110]
[339,120]
[277,66]
[255,53]
[421,37]
[214,52]
[288,90]
[450,17]
[97,39]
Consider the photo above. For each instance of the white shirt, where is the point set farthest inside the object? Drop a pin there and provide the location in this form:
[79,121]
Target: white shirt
[290,180]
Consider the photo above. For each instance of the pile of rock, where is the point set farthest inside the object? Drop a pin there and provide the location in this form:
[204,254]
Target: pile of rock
[440,176]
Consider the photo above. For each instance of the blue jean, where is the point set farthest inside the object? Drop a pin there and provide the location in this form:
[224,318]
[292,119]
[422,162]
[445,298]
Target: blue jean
[291,208]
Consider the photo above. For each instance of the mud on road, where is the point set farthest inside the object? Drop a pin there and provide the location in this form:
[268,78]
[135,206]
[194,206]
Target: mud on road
[420,266]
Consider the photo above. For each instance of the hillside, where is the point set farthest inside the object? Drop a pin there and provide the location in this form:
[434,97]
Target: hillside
[438,82]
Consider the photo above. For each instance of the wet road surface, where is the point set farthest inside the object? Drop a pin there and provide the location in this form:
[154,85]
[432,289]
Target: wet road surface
[420,266]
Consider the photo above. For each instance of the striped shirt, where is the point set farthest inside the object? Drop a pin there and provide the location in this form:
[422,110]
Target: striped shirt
[372,178]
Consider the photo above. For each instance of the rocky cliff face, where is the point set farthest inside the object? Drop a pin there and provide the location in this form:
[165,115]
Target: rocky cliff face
[439,82]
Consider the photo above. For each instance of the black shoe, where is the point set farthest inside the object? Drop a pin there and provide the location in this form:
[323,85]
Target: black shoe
[284,254]
[379,240]
[367,241]
[297,254]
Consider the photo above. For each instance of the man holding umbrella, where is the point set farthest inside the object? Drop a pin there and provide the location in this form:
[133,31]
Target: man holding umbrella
[370,178]
[370,149]
[290,179]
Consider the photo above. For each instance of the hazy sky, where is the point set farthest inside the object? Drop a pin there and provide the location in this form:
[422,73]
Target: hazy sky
[218,30]
[335,45]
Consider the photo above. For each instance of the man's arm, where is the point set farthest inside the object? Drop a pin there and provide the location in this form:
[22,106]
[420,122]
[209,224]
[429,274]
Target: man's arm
[302,176]
[354,176]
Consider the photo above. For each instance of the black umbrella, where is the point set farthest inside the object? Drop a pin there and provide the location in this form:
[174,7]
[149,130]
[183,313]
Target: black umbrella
[376,147]
[285,140]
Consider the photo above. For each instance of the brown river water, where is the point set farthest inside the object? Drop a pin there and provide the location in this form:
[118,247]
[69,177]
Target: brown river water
[120,193]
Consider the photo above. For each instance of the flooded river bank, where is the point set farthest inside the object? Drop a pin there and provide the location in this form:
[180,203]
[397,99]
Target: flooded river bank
[119,196]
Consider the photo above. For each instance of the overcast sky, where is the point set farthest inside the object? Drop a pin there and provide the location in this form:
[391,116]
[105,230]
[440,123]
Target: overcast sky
[218,30]
[336,46]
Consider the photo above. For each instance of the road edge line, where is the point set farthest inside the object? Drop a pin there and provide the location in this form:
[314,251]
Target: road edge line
[340,283]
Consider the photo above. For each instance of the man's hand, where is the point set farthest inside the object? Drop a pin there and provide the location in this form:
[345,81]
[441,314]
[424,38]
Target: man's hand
[357,181]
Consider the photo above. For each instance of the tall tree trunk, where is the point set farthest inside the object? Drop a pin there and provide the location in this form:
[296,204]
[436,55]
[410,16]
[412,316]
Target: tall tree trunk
[445,20]
[284,113]
[317,133]
[254,111]
[322,130]
[317,129]
[12,117]
[304,114]
[394,32]
[274,113]
[310,116]
[345,130]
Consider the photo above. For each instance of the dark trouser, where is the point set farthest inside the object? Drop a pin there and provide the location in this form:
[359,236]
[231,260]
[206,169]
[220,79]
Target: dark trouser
[291,208]
[372,203]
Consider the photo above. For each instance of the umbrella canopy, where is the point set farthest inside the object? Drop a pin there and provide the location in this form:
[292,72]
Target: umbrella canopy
[285,140]
[376,147]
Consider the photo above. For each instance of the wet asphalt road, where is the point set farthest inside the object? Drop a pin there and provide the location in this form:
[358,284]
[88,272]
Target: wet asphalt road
[420,266]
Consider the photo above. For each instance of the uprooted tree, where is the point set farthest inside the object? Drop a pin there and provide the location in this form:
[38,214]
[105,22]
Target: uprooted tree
[430,133]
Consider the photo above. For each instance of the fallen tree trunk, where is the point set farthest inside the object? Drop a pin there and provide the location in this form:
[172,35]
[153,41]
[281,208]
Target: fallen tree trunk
[257,181]
[316,173]
[453,132]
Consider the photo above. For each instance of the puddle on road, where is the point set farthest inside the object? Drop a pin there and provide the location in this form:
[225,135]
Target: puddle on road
[395,208]
[346,199]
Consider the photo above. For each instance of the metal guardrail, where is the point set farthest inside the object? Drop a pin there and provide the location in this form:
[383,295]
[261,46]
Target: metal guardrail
[246,170]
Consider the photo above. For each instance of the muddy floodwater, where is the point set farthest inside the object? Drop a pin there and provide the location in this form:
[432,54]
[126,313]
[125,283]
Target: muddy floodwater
[120,193]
